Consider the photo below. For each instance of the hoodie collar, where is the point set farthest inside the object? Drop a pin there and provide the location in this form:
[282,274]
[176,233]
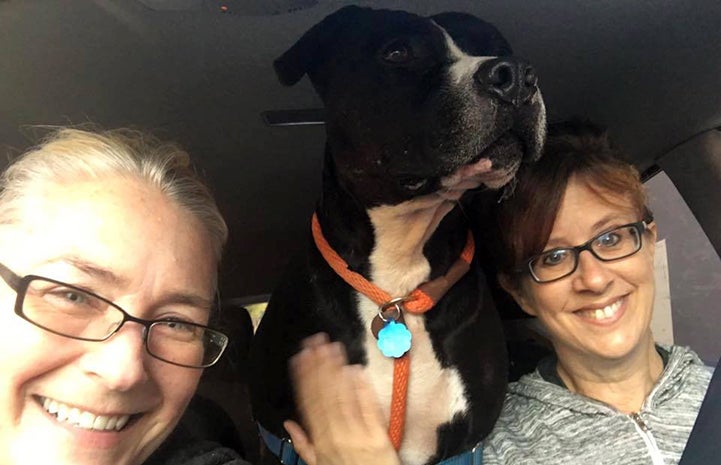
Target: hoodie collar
[542,386]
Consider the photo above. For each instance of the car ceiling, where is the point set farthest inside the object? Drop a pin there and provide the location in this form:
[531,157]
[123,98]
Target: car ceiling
[200,72]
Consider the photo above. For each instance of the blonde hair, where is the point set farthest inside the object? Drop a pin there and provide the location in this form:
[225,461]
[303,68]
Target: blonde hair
[71,154]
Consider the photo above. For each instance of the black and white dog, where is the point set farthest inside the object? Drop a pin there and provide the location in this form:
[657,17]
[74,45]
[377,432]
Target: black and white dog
[419,111]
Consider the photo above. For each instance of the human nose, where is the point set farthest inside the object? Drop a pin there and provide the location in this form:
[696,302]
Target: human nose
[591,273]
[120,361]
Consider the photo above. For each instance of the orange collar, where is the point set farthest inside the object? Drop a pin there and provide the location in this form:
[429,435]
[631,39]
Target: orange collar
[420,300]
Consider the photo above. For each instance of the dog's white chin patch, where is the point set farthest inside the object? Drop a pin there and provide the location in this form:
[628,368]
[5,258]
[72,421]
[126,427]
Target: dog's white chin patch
[467,176]
[475,175]
[498,178]
[481,167]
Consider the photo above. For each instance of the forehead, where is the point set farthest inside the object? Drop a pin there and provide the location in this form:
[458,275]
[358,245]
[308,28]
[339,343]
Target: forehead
[588,207]
[120,224]
[95,206]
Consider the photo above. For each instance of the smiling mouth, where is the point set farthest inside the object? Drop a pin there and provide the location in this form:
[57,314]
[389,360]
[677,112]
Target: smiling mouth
[82,419]
[601,314]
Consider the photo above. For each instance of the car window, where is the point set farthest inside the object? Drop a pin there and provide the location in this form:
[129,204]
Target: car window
[693,271]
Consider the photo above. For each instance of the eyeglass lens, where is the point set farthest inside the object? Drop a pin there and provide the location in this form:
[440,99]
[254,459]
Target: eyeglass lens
[72,312]
[610,245]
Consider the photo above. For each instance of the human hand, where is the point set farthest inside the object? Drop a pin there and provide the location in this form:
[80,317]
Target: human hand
[342,422]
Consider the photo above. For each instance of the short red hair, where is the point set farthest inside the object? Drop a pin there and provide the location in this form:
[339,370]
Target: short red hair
[573,149]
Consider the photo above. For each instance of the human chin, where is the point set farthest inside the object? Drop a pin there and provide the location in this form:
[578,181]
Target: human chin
[628,337]
[622,344]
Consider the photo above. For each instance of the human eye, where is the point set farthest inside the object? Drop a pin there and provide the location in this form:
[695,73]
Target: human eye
[554,257]
[180,326]
[610,239]
[69,299]
[179,329]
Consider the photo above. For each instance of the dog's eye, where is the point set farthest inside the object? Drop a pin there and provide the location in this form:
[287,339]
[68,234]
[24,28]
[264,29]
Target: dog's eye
[413,184]
[397,52]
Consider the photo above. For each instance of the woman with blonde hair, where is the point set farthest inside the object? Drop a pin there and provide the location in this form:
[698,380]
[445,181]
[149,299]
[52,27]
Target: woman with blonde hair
[109,247]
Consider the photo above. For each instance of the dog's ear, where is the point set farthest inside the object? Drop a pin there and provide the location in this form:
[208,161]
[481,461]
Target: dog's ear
[473,35]
[312,48]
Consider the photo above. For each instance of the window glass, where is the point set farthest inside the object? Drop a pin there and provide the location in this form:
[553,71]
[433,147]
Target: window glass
[690,297]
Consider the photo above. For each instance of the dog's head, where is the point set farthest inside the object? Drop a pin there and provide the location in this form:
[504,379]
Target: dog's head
[417,106]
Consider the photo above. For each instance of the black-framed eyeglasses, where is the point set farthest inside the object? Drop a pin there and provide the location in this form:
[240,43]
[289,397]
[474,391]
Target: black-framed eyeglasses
[76,313]
[614,244]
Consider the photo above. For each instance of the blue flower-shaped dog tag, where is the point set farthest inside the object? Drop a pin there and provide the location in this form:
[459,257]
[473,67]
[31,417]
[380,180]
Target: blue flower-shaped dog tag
[394,339]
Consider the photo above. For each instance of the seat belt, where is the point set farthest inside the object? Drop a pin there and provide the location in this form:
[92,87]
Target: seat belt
[704,443]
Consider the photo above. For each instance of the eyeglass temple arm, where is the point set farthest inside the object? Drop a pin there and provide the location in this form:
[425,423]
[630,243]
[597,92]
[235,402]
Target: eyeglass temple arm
[12,279]
[647,216]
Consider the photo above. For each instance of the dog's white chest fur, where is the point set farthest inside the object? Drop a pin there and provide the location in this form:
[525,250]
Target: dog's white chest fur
[398,266]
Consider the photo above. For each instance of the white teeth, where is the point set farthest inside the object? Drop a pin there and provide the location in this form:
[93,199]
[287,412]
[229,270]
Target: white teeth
[100,422]
[62,412]
[82,419]
[74,416]
[604,313]
[52,407]
[87,420]
[121,422]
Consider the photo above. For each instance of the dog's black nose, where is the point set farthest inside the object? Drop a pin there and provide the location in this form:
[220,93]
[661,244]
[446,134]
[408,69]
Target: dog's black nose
[511,79]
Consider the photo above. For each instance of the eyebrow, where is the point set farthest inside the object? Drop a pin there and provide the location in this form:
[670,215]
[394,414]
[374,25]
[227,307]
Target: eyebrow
[108,276]
[604,223]
[184,298]
[94,270]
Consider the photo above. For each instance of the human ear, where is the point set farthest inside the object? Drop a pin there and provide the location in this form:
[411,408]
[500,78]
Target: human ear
[652,230]
[517,293]
[652,235]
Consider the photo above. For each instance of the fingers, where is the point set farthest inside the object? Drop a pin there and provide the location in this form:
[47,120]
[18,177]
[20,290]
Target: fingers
[315,340]
[330,393]
[301,442]
[347,401]
[342,421]
[315,371]
[369,410]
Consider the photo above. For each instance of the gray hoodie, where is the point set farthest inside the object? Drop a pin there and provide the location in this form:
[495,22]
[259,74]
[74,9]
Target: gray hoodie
[544,423]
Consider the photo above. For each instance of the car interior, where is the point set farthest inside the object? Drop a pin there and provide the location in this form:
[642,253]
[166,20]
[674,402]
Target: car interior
[200,72]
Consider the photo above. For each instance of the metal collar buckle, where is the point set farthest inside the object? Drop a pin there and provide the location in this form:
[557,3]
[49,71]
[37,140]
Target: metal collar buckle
[393,304]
